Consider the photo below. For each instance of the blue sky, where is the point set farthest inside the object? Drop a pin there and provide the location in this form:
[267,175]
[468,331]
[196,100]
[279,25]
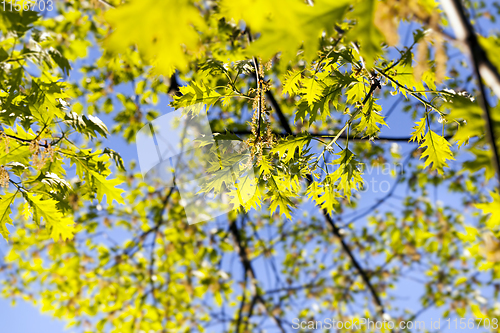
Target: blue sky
[25,318]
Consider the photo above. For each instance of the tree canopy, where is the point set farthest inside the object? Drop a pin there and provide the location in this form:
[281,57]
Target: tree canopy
[298,96]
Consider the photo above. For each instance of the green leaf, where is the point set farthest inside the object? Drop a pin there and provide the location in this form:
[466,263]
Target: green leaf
[291,83]
[60,60]
[476,311]
[213,67]
[59,225]
[481,160]
[468,116]
[219,180]
[287,147]
[312,90]
[107,187]
[89,125]
[371,119]
[491,45]
[5,211]
[265,166]
[356,92]
[3,54]
[116,157]
[280,195]
[321,106]
[281,200]
[196,93]
[404,75]
[493,209]
[348,174]
[286,26]
[53,180]
[304,109]
[324,195]
[20,22]
[437,150]
[246,192]
[419,130]
[44,102]
[18,151]
[20,132]
[136,23]
[366,32]
[226,137]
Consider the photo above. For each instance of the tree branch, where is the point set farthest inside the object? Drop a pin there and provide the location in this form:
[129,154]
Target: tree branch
[342,137]
[465,34]
[106,4]
[354,261]
[173,89]
[483,68]
[329,220]
[279,112]
[249,272]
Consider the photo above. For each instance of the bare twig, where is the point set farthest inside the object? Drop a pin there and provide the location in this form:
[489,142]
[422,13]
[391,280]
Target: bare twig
[259,88]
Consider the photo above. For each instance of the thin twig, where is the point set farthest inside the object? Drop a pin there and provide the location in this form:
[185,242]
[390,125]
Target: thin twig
[250,273]
[405,139]
[259,87]
[331,223]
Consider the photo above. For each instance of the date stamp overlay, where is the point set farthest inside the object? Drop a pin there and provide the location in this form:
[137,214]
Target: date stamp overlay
[27,5]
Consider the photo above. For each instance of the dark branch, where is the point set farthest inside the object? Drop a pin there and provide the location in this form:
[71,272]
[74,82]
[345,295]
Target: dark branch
[250,273]
[173,89]
[354,261]
[483,68]
[465,34]
[279,112]
[343,137]
[45,145]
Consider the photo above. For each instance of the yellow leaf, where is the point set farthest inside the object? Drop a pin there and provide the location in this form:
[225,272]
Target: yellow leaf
[284,26]
[60,226]
[161,30]
[476,310]
[107,187]
[366,32]
[5,211]
[485,266]
[492,208]
[460,280]
[419,130]
[287,147]
[291,82]
[437,150]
